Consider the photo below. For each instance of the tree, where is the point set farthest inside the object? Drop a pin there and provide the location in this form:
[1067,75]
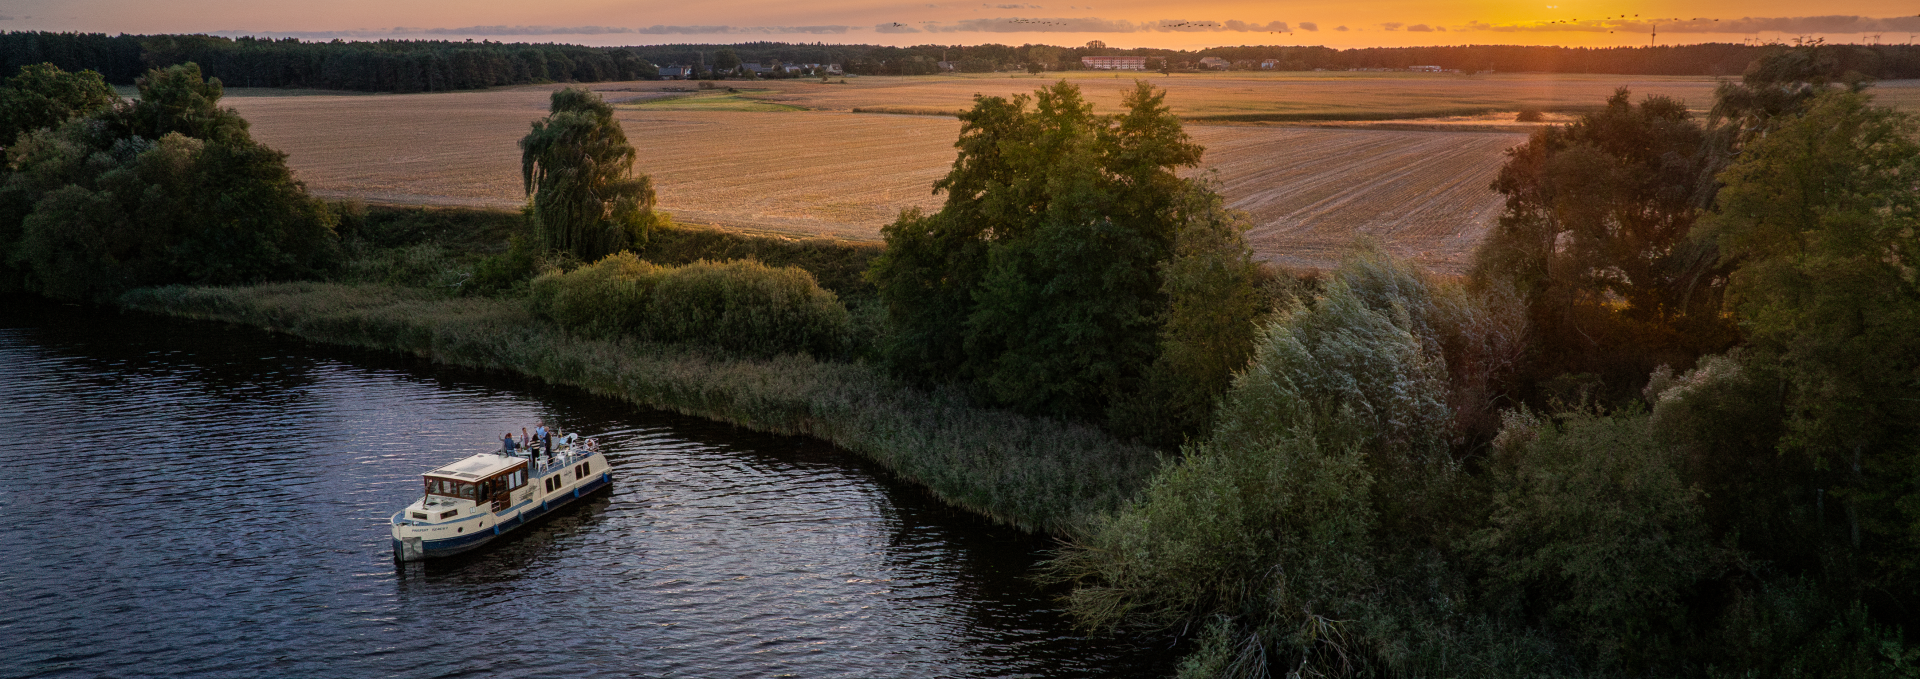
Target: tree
[179,99]
[95,206]
[725,61]
[1039,279]
[1595,236]
[42,95]
[578,168]
[1822,220]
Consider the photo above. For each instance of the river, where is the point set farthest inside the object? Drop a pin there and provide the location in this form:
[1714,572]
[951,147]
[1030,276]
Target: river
[188,499]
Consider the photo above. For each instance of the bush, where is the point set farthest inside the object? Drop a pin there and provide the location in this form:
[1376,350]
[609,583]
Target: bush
[1595,529]
[1333,440]
[741,306]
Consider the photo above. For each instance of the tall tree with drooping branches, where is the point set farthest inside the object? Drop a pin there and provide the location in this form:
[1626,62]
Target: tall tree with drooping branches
[577,167]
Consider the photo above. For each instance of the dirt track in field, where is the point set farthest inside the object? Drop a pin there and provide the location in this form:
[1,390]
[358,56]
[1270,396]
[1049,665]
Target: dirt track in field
[1310,190]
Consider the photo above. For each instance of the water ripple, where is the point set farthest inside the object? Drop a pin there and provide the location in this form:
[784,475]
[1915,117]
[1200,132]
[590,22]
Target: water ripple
[195,500]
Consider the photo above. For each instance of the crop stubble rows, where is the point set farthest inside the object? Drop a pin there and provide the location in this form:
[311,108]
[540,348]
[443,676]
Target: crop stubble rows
[1310,191]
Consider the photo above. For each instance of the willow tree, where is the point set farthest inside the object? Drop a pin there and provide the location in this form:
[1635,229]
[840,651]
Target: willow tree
[578,169]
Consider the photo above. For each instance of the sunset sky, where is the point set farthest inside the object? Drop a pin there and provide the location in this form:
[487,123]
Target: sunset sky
[1121,23]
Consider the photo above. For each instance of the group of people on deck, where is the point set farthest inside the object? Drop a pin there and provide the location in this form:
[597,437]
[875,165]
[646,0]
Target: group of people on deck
[540,438]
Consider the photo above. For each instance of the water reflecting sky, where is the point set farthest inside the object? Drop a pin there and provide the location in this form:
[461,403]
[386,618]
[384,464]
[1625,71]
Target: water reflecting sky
[202,500]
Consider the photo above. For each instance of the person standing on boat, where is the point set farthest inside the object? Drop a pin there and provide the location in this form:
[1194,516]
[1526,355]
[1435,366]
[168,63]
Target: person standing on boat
[508,445]
[546,438]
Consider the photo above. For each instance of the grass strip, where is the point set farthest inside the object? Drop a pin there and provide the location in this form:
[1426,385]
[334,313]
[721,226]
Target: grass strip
[1031,473]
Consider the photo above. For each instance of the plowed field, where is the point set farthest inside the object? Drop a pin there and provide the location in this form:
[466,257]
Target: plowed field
[1311,191]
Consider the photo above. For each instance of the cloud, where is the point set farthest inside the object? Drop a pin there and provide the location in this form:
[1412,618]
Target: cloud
[1748,25]
[1342,29]
[1418,28]
[895,27]
[1392,25]
[1309,26]
[1099,25]
[535,31]
[743,30]
[1017,6]
[4,17]
[1019,25]
[1271,26]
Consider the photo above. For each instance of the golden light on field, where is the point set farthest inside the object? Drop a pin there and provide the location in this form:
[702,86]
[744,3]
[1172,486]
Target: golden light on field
[796,157]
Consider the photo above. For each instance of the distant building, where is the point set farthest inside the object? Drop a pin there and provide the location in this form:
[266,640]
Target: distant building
[1215,63]
[1426,69]
[949,66]
[1270,64]
[676,72]
[1115,63]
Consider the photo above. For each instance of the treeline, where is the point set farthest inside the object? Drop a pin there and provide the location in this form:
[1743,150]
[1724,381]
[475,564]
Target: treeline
[1713,59]
[437,65]
[382,66]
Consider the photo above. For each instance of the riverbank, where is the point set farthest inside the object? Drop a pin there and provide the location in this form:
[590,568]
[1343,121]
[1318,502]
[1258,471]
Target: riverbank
[1031,473]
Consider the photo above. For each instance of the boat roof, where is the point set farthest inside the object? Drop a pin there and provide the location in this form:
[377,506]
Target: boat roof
[477,467]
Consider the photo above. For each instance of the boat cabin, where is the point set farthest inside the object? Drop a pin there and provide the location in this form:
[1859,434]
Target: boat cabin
[482,479]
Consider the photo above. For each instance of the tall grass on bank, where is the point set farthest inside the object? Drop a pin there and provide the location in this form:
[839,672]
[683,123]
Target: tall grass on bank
[1032,473]
[741,306]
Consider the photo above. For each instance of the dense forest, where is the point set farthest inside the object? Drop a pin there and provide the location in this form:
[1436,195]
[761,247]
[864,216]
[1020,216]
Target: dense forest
[437,65]
[382,66]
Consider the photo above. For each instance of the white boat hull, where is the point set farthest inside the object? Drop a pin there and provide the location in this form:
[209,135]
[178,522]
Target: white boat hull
[457,526]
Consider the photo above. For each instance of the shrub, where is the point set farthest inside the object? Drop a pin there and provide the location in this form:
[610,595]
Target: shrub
[741,306]
[1334,437]
[1530,115]
[1595,529]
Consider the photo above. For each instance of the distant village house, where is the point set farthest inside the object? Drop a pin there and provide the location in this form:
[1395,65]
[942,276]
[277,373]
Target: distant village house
[1426,69]
[1114,63]
[676,72]
[1215,63]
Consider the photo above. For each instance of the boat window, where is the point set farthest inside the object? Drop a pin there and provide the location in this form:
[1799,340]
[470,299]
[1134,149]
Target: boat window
[419,515]
[466,490]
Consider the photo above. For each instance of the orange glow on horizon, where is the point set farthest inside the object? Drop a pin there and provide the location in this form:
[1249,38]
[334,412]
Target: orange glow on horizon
[1120,23]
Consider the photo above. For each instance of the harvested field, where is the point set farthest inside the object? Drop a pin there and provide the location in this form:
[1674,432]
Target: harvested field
[1243,96]
[1422,193]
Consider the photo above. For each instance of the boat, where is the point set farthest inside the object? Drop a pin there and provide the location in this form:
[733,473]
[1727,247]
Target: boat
[476,500]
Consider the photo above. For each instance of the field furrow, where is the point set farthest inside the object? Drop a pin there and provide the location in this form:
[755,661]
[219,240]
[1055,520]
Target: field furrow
[1310,191]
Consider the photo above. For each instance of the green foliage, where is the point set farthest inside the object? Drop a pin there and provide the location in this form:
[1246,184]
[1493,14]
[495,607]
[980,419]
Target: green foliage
[1594,236]
[739,306]
[1595,528]
[93,207]
[1781,84]
[1793,629]
[42,95]
[1040,278]
[578,169]
[1025,472]
[177,99]
[1822,219]
[1212,289]
[839,265]
[1328,447]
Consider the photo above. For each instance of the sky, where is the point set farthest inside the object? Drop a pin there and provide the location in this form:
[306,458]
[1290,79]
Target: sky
[1118,23]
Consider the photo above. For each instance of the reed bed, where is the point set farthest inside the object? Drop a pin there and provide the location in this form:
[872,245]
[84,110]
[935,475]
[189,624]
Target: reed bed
[1031,473]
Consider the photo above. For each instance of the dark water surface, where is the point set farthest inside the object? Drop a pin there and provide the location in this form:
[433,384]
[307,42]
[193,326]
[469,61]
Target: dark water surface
[200,500]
